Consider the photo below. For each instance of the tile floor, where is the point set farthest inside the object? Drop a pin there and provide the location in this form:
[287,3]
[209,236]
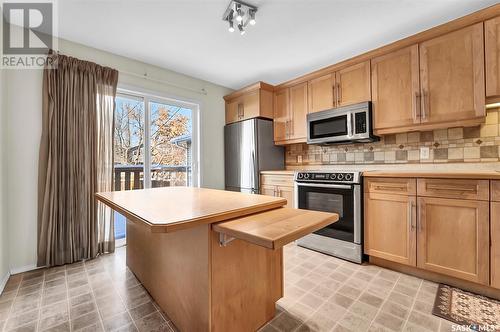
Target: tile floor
[322,293]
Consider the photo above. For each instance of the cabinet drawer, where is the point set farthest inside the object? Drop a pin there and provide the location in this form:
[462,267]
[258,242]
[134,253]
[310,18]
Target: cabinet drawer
[495,191]
[276,180]
[395,186]
[454,188]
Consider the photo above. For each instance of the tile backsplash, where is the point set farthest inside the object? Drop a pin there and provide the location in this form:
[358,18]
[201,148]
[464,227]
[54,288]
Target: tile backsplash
[474,144]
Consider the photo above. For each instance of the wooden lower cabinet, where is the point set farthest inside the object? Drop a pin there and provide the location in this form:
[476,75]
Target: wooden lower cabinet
[390,223]
[495,244]
[279,191]
[453,238]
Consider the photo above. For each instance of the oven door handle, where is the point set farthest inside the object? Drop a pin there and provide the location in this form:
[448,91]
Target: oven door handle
[322,185]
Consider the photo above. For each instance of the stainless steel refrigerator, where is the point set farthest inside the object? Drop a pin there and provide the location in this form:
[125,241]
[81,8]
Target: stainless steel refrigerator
[249,148]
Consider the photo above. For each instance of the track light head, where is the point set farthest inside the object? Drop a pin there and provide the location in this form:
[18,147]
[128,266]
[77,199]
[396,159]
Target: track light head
[242,29]
[252,17]
[231,26]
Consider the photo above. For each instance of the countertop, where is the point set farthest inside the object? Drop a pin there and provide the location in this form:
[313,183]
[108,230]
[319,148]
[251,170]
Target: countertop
[488,175]
[278,172]
[176,208]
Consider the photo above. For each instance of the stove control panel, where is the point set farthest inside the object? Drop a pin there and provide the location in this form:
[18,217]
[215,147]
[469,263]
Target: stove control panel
[328,177]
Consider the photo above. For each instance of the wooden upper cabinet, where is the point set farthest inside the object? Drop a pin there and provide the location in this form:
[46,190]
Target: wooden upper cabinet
[452,76]
[250,102]
[233,110]
[447,224]
[281,114]
[353,84]
[492,56]
[395,89]
[298,112]
[321,93]
[391,236]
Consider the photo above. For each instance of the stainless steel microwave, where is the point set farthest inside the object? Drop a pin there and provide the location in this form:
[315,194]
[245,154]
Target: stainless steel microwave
[348,124]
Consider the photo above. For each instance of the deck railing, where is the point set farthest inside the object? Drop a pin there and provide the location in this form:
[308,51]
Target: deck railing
[128,177]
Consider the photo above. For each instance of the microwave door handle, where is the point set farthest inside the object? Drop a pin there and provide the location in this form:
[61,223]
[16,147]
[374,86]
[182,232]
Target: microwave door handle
[349,124]
[353,121]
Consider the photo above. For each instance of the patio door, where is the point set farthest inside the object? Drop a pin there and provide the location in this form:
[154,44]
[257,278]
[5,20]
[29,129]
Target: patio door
[155,145]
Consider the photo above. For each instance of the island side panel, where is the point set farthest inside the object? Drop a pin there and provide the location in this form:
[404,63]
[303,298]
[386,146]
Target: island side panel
[174,268]
[247,280]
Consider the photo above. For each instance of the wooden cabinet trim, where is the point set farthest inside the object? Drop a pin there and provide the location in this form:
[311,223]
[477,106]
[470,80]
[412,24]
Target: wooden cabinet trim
[395,186]
[448,27]
[454,188]
[492,56]
[495,191]
[495,244]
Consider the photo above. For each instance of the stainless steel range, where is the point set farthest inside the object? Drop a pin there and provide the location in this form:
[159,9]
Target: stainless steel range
[338,192]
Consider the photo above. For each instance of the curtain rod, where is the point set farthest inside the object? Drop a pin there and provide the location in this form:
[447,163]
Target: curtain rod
[146,77]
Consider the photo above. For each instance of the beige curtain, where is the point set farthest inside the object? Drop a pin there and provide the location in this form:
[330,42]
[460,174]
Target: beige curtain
[76,161]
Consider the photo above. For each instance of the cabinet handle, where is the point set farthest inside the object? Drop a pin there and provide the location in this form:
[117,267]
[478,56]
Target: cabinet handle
[418,105]
[390,187]
[286,128]
[334,101]
[410,216]
[419,222]
[424,104]
[339,94]
[290,127]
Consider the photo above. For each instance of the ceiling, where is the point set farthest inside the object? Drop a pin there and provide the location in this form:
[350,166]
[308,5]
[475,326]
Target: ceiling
[291,37]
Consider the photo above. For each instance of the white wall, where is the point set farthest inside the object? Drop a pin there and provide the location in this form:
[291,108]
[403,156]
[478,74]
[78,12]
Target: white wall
[24,99]
[4,248]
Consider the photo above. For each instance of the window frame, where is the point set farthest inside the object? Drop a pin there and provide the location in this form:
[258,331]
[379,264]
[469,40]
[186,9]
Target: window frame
[147,97]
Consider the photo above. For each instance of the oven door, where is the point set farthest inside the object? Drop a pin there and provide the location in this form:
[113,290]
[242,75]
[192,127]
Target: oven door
[341,199]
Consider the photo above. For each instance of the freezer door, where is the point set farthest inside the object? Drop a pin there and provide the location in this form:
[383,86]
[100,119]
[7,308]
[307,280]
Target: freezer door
[241,169]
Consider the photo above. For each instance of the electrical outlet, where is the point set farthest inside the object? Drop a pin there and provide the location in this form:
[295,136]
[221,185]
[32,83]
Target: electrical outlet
[424,152]
[299,159]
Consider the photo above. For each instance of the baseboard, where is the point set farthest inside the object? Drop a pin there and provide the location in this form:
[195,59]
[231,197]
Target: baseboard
[3,282]
[26,268]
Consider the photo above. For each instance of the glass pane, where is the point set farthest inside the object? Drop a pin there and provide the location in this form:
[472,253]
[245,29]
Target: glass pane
[171,146]
[128,150]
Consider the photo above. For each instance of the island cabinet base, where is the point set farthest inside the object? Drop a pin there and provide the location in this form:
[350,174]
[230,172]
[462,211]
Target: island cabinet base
[203,286]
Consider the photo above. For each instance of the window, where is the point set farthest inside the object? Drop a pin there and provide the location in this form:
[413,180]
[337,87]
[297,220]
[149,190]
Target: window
[155,144]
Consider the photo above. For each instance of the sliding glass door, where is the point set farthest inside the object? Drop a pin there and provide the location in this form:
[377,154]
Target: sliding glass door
[155,145]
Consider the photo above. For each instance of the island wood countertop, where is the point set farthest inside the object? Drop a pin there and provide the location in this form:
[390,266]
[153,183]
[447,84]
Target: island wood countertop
[273,229]
[171,209]
[481,175]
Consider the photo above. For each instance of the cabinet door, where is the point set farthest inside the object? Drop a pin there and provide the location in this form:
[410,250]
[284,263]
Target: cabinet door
[281,115]
[395,89]
[286,192]
[452,76]
[453,238]
[353,84]
[321,96]
[268,190]
[298,111]
[495,244]
[251,107]
[233,111]
[390,222]
[492,56]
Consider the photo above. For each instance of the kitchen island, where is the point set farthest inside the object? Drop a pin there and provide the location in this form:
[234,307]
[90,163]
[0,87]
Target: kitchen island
[211,259]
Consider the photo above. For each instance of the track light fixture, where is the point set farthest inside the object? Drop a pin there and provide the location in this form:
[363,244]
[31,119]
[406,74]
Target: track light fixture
[242,12]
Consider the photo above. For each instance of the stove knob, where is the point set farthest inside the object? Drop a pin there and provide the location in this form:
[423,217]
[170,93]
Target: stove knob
[306,176]
[333,176]
[300,175]
[340,176]
[348,177]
